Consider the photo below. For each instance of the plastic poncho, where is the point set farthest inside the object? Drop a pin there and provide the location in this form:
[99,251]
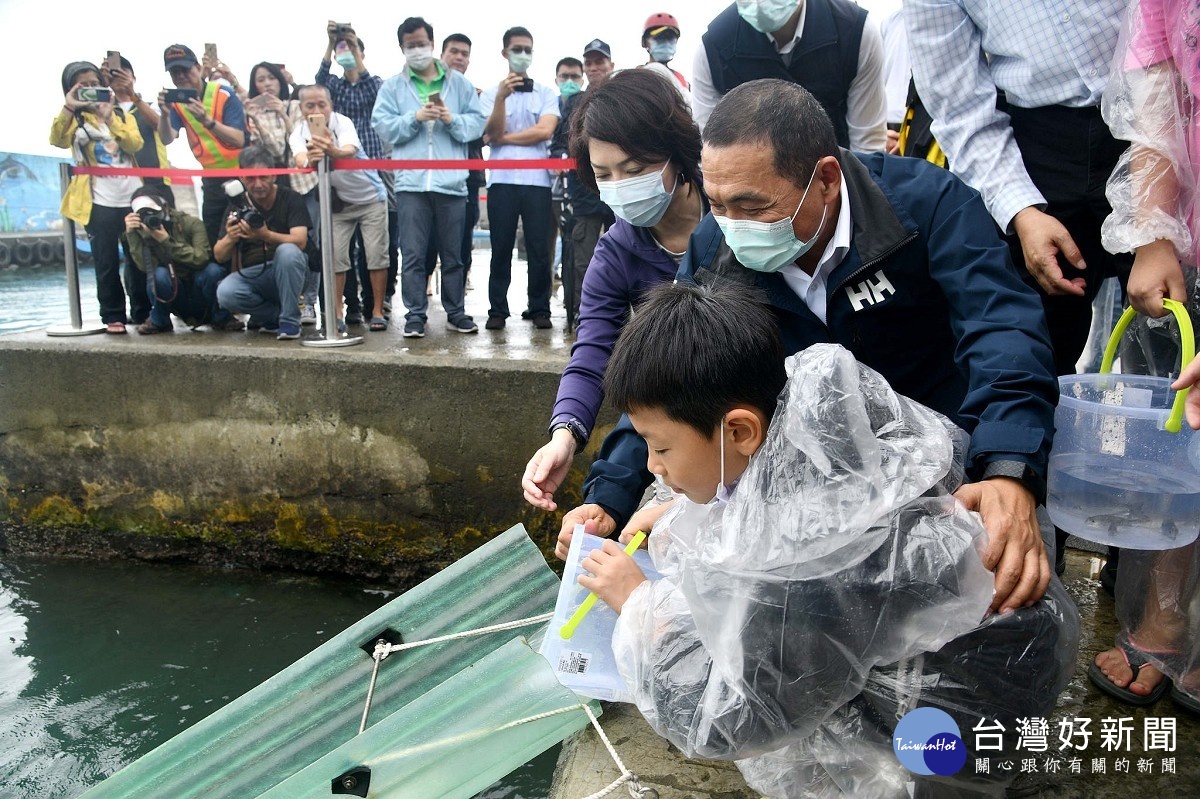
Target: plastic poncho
[1152,101]
[838,588]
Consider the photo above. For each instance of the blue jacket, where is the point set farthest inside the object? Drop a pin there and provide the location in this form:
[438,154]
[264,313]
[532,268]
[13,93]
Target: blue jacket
[394,119]
[927,296]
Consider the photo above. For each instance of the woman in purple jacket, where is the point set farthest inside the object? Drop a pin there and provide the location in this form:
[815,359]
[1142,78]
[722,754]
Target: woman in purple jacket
[634,140]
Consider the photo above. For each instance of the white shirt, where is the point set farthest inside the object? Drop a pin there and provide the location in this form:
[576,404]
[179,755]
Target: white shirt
[522,111]
[354,186]
[866,103]
[812,288]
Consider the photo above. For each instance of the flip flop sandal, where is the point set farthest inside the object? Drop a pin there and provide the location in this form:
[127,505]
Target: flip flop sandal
[116,328]
[1136,660]
[1189,703]
[378,323]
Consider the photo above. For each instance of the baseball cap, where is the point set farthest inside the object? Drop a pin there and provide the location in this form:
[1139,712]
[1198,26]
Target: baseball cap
[178,55]
[597,46]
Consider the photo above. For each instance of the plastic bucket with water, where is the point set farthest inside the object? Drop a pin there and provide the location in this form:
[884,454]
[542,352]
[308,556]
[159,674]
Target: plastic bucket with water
[1124,469]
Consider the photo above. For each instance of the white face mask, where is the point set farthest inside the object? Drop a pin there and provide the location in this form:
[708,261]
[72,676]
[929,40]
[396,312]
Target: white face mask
[641,201]
[418,58]
[768,246]
[766,16]
[519,62]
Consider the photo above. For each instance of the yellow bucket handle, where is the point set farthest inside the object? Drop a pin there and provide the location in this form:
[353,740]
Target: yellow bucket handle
[1187,339]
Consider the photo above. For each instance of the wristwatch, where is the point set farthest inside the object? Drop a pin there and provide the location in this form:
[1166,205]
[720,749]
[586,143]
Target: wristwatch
[212,123]
[1018,470]
[576,428]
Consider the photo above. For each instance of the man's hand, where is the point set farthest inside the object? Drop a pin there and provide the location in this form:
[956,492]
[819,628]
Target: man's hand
[1156,275]
[427,113]
[1043,239]
[121,82]
[198,111]
[1015,551]
[319,146]
[444,116]
[614,575]
[595,520]
[547,469]
[162,103]
[236,229]
[509,85]
[893,142]
[1188,378]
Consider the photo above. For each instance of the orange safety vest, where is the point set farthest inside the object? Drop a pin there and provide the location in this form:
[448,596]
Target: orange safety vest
[207,148]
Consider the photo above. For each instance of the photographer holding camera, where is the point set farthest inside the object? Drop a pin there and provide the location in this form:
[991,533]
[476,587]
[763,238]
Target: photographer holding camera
[172,249]
[264,242]
[214,120]
[98,134]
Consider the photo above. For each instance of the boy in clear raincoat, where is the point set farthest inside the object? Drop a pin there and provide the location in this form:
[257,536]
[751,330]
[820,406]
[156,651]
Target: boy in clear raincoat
[819,580]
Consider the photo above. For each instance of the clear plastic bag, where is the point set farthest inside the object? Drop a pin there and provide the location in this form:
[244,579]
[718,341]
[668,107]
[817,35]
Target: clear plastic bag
[839,587]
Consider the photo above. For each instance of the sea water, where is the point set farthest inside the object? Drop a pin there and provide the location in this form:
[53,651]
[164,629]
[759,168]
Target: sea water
[1123,502]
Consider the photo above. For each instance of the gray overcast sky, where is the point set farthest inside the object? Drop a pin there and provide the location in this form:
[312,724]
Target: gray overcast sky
[48,34]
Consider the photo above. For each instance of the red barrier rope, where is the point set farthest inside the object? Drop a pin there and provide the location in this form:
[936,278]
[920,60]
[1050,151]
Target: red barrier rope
[352,163]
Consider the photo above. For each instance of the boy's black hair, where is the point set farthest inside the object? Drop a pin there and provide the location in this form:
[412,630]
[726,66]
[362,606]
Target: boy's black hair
[695,352]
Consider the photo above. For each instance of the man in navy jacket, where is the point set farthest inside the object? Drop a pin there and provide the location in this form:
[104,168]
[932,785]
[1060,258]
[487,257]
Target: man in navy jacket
[897,261]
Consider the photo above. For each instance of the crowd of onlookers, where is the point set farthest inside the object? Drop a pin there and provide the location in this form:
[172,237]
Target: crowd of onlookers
[390,228]
[942,191]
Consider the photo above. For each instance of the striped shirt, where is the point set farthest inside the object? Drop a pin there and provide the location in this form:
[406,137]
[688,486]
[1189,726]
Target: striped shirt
[1039,52]
[357,101]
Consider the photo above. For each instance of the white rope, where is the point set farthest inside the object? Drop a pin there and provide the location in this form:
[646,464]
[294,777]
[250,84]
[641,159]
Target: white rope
[495,628]
[383,649]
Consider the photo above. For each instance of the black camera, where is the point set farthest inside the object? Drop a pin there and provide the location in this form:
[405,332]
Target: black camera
[240,207]
[151,218]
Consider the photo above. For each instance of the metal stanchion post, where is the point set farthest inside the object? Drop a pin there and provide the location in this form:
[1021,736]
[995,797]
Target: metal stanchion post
[76,327]
[332,337]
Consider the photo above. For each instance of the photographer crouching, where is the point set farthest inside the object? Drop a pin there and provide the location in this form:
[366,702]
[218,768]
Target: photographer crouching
[171,248]
[266,232]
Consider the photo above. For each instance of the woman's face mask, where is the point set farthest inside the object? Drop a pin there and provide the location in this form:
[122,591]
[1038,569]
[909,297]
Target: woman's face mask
[641,200]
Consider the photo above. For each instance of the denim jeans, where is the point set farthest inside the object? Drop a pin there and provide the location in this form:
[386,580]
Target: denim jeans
[269,292]
[506,202]
[423,215]
[193,299]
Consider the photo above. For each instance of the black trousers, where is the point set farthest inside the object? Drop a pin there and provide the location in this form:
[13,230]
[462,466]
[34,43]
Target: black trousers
[506,203]
[1069,154]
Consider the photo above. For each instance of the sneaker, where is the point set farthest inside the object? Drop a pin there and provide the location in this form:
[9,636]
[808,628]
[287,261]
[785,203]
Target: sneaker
[148,328]
[494,323]
[253,324]
[354,318]
[387,305]
[414,329]
[231,325]
[270,328]
[464,325]
[308,315]
[287,331]
[542,322]
[526,314]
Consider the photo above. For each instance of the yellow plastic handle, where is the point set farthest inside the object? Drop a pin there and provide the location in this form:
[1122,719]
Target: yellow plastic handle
[1174,422]
[568,629]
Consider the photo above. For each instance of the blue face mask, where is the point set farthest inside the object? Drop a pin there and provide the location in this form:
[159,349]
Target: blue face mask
[345,59]
[768,246]
[662,51]
[641,200]
[569,88]
[766,16]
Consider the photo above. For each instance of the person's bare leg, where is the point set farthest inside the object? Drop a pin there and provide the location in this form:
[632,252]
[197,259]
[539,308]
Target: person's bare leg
[378,285]
[339,286]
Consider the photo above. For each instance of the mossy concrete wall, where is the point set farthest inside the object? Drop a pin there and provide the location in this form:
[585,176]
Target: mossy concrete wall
[367,462]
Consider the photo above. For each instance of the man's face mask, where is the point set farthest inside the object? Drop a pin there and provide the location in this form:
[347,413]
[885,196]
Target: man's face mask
[662,50]
[766,16]
[418,57]
[519,61]
[768,246]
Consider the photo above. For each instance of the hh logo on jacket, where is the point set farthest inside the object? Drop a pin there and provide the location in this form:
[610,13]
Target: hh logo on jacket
[870,291]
